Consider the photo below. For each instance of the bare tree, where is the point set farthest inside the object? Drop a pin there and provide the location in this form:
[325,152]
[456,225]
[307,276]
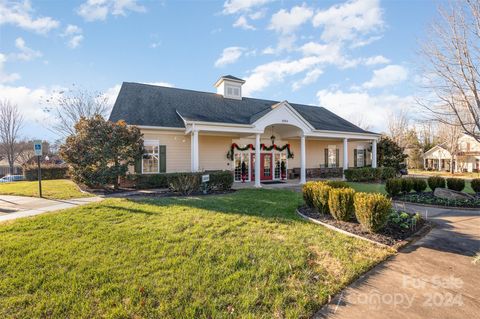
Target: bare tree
[11,122]
[398,127]
[362,123]
[450,135]
[69,106]
[451,67]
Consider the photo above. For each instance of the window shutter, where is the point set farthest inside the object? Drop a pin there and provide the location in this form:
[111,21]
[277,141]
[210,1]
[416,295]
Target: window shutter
[365,157]
[138,166]
[337,157]
[355,159]
[326,157]
[163,158]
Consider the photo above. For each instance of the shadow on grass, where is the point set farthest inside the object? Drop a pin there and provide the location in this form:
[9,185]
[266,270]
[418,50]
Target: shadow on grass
[279,205]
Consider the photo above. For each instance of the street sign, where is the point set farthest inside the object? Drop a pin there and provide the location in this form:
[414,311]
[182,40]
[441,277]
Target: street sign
[37,147]
[205,178]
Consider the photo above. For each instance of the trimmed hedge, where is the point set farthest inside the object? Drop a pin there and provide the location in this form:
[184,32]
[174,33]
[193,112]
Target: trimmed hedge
[407,185]
[219,180]
[48,172]
[369,174]
[419,185]
[340,203]
[476,185]
[393,186]
[436,182]
[315,194]
[372,210]
[456,184]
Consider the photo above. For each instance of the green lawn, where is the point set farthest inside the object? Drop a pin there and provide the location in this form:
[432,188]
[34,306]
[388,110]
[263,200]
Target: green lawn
[53,189]
[380,188]
[242,255]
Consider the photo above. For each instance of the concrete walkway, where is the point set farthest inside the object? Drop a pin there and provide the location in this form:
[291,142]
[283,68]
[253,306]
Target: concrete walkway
[434,277]
[13,207]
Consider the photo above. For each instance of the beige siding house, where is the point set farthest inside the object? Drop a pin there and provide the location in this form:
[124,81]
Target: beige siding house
[188,131]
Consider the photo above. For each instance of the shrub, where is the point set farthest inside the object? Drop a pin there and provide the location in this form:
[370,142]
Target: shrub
[320,197]
[336,184]
[372,210]
[387,173]
[419,185]
[340,203]
[369,174]
[184,183]
[48,172]
[393,186]
[220,180]
[476,185]
[307,192]
[456,184]
[436,182]
[407,185]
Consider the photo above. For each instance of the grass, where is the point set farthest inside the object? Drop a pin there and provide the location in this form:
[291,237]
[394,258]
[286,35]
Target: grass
[380,188]
[52,189]
[443,173]
[242,255]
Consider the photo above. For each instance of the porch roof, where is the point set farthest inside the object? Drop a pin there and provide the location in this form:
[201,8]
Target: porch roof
[150,105]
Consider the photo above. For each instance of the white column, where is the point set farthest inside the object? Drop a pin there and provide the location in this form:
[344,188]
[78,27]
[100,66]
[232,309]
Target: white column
[257,160]
[194,150]
[345,153]
[374,153]
[303,157]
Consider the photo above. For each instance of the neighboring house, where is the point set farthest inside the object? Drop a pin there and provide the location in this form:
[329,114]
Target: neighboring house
[467,159]
[187,130]
[5,168]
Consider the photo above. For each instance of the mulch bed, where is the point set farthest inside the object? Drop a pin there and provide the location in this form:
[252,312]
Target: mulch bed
[389,235]
[427,198]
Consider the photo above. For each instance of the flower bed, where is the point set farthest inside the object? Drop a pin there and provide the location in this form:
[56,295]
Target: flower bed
[429,199]
[399,227]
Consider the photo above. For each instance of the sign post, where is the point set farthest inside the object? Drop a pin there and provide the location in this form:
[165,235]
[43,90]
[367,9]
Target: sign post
[205,180]
[37,148]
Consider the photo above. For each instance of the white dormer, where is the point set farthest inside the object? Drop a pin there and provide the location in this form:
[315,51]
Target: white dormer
[229,87]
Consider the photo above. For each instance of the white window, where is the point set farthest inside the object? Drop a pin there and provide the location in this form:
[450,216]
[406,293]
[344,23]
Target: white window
[151,158]
[360,157]
[332,156]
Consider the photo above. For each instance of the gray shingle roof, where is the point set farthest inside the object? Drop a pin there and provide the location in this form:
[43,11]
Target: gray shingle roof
[149,105]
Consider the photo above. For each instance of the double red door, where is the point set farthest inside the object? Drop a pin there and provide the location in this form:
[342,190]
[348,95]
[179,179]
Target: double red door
[266,167]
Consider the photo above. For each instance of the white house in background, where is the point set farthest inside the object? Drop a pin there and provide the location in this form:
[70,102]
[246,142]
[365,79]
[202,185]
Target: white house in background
[258,140]
[467,158]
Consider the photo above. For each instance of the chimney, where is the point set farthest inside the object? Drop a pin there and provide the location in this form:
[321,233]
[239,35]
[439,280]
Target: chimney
[229,87]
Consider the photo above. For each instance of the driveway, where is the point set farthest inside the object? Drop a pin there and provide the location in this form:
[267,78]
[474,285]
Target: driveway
[434,277]
[13,207]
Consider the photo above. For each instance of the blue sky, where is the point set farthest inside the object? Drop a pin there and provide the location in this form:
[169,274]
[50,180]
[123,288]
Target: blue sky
[357,58]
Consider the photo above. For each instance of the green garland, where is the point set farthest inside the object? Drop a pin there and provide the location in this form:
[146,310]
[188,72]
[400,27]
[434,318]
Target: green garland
[263,147]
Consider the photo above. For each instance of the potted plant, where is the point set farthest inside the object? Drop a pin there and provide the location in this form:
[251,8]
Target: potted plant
[283,170]
[244,172]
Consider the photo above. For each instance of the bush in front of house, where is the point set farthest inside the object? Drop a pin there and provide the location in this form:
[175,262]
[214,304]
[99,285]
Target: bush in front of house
[336,184]
[387,173]
[475,183]
[220,180]
[419,185]
[48,172]
[184,183]
[393,186]
[372,210]
[407,185]
[436,182]
[369,174]
[321,192]
[340,203]
[456,184]
[307,192]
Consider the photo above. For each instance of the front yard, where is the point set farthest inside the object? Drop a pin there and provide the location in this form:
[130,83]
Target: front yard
[51,189]
[246,254]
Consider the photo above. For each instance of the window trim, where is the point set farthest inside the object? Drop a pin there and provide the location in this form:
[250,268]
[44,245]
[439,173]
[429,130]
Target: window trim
[156,144]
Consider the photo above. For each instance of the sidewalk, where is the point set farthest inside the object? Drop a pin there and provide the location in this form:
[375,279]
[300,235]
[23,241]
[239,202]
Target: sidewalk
[434,277]
[13,207]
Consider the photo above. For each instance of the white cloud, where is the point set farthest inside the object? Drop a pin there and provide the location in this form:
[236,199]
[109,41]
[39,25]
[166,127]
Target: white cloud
[309,78]
[5,77]
[378,59]
[92,10]
[28,100]
[387,76]
[155,45]
[288,21]
[74,34]
[167,84]
[349,20]
[235,6]
[229,55]
[242,23]
[20,14]
[363,42]
[26,53]
[354,105]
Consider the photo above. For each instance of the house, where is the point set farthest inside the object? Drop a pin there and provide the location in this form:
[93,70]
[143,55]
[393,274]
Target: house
[5,167]
[466,159]
[187,130]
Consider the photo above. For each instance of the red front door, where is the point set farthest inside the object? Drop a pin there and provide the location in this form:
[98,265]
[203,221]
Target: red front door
[266,171]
